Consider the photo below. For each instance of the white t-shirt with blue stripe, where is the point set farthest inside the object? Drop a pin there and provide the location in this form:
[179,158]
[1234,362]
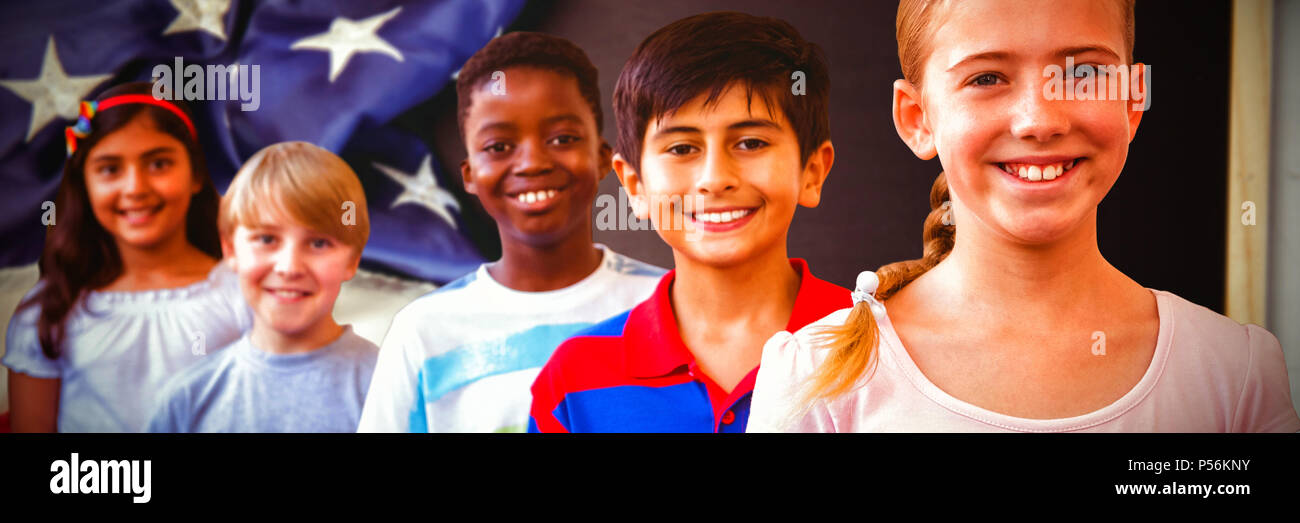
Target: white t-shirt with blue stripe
[462,358]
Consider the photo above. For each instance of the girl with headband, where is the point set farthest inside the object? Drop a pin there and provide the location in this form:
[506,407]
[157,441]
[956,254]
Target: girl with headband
[131,290]
[1013,320]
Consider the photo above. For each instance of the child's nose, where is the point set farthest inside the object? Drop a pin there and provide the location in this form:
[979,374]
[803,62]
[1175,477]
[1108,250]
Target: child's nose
[137,180]
[533,158]
[1037,118]
[288,260]
[720,173]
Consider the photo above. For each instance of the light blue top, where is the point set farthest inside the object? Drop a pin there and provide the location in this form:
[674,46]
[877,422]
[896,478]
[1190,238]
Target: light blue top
[246,389]
[120,347]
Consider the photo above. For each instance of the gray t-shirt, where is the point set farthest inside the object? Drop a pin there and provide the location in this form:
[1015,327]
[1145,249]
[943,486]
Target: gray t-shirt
[245,389]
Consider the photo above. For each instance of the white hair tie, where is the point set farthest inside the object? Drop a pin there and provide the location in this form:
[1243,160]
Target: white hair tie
[866,291]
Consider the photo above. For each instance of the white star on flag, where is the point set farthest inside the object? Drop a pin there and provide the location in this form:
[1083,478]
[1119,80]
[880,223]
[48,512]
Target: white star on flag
[347,37]
[53,93]
[200,15]
[422,189]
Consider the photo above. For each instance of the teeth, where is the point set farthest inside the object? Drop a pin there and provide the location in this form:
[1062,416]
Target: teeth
[1035,173]
[537,196]
[138,213]
[288,293]
[721,217]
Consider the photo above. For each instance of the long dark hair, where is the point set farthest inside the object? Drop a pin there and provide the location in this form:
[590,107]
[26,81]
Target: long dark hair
[79,255]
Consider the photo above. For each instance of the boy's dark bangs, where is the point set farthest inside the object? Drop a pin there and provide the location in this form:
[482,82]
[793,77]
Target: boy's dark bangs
[708,54]
[668,105]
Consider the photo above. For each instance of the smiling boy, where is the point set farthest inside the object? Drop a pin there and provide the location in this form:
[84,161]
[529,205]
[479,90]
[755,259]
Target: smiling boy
[287,231]
[461,358]
[707,116]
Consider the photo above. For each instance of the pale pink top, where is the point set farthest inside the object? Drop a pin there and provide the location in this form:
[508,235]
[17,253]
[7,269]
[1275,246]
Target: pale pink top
[1208,374]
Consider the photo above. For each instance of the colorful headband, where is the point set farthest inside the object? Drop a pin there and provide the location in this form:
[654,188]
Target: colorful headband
[87,112]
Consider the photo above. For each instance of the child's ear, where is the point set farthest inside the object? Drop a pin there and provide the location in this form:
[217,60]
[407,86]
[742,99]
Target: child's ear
[631,181]
[814,174]
[228,253]
[606,161]
[910,122]
[1136,110]
[352,270]
[467,177]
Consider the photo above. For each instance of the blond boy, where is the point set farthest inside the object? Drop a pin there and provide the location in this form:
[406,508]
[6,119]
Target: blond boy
[293,225]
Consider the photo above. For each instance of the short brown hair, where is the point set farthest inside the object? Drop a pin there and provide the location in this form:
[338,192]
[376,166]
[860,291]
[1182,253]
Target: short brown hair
[527,49]
[710,52]
[304,182]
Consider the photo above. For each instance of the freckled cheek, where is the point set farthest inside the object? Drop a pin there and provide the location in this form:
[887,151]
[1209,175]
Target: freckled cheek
[1108,130]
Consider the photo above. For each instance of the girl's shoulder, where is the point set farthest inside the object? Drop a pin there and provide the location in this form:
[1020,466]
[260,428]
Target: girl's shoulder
[1241,366]
[1196,325]
[793,357]
[788,361]
[807,345]
[218,284]
[1198,339]
[22,351]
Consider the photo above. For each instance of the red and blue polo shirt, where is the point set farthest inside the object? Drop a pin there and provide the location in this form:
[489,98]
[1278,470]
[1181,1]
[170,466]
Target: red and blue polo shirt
[632,373]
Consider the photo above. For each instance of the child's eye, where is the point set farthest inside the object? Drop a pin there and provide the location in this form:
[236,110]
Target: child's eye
[159,164]
[565,139]
[321,243]
[681,149]
[497,147]
[752,144]
[985,80]
[264,239]
[1087,71]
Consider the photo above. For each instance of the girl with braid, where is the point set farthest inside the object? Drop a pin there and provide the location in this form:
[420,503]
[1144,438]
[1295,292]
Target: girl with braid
[1013,320]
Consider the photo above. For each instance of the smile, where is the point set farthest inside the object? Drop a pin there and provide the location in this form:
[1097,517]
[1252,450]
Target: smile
[535,196]
[721,216]
[287,294]
[138,215]
[1039,172]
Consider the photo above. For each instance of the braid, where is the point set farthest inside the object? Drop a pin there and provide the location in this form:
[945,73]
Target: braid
[851,345]
[937,241]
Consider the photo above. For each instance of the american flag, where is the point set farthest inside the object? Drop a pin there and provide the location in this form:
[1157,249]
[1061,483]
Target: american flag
[333,73]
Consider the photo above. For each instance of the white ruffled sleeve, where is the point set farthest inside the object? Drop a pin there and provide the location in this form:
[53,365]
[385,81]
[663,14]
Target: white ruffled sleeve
[23,345]
[777,404]
[226,282]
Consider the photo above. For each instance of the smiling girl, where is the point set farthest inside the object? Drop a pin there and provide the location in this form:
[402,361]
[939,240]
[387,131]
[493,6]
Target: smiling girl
[131,290]
[1013,320]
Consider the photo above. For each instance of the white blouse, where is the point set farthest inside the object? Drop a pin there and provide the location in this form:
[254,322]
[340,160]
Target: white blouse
[121,346]
[1208,374]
